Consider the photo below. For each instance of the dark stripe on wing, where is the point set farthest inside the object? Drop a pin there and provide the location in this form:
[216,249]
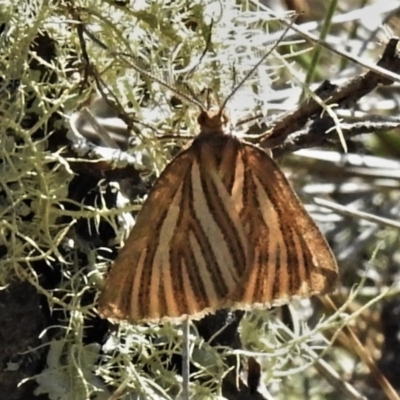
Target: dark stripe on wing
[221,217]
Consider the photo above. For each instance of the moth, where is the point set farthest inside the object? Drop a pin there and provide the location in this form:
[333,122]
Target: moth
[221,227]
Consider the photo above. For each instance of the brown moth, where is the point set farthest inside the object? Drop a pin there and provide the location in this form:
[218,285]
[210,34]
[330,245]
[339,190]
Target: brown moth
[221,227]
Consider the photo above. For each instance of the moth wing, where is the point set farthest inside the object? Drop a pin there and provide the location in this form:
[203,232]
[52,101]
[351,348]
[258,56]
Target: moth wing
[186,252]
[288,255]
[126,288]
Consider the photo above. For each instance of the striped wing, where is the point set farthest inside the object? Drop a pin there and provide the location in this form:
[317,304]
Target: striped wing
[187,250]
[221,227]
[287,254]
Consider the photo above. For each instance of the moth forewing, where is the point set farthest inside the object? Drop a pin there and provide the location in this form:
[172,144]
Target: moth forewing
[186,251]
[128,284]
[221,227]
[288,255]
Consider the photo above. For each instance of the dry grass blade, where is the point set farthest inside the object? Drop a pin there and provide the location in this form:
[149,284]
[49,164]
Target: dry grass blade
[367,359]
[66,201]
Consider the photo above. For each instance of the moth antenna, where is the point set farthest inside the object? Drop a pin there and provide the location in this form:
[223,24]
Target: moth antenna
[140,66]
[262,59]
[178,93]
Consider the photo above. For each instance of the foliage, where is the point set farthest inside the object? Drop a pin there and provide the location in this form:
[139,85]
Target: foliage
[61,224]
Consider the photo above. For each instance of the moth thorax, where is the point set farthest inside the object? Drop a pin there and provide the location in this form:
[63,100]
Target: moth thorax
[214,121]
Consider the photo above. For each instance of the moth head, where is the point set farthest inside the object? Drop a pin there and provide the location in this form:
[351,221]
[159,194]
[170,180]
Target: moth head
[214,121]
